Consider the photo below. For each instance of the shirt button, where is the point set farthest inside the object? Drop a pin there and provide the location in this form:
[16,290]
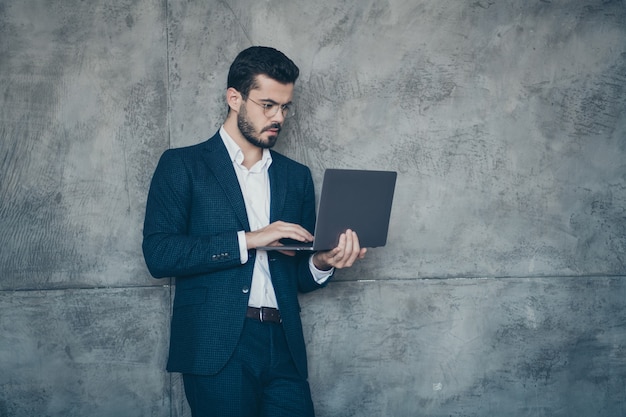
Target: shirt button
[245,289]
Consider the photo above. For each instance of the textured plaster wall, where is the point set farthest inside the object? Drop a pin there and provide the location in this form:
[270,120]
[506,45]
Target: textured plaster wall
[501,290]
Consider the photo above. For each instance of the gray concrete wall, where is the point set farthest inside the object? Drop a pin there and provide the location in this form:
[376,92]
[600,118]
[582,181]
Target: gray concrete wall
[501,290]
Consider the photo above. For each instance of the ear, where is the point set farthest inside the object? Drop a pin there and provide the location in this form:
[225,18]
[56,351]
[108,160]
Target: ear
[233,99]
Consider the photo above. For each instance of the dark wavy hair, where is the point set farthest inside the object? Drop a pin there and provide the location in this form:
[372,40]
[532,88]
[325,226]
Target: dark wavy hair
[258,60]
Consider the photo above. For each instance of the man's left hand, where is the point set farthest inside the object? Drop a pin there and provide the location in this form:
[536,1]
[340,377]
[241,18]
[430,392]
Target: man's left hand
[344,255]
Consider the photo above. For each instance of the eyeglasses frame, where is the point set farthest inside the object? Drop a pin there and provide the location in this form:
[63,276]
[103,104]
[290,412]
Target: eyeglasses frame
[287,110]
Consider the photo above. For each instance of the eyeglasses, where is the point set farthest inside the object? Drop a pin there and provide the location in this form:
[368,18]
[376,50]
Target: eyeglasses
[271,109]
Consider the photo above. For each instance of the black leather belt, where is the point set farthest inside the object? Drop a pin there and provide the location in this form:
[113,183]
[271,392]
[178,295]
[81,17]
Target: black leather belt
[264,314]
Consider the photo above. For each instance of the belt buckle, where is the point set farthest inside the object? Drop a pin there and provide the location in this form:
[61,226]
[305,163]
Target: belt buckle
[261,314]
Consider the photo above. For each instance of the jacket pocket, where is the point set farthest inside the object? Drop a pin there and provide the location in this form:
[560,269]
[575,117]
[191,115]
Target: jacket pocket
[190,297]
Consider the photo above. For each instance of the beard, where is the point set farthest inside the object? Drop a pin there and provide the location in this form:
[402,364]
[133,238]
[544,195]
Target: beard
[249,133]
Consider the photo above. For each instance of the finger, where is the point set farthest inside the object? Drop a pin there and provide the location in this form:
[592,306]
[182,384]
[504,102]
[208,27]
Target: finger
[341,254]
[340,250]
[352,248]
[297,232]
[274,232]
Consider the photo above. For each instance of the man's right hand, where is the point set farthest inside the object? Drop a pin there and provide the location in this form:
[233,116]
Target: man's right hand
[271,234]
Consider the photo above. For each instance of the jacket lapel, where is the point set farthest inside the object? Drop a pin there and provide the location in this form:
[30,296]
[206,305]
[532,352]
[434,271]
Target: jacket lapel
[278,190]
[222,167]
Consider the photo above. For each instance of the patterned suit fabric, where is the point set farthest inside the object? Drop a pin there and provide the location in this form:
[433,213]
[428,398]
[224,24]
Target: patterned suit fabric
[194,210]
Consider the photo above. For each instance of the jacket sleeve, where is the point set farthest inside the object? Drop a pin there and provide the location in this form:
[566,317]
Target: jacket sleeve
[168,247]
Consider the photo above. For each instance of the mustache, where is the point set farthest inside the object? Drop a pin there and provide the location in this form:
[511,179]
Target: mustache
[276,126]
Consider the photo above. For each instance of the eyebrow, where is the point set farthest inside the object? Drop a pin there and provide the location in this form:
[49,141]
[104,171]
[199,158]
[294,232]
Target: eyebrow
[270,101]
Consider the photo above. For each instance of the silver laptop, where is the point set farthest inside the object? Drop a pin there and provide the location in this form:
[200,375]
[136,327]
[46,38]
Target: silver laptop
[359,200]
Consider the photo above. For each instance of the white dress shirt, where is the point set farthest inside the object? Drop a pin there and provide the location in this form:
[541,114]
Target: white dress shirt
[255,187]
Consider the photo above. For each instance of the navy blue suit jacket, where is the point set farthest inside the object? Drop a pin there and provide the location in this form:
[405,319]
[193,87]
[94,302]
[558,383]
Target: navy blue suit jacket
[194,210]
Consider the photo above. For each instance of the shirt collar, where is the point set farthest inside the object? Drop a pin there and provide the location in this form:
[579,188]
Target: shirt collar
[236,154]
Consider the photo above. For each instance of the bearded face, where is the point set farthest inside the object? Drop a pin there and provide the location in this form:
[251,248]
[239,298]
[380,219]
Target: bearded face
[264,137]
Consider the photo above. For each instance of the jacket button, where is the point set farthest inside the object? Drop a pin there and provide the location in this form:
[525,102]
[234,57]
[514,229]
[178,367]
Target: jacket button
[245,290]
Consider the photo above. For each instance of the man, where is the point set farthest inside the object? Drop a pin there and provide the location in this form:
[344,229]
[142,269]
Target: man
[236,334]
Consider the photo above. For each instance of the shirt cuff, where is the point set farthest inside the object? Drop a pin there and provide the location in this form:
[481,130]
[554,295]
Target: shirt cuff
[319,276]
[243,246]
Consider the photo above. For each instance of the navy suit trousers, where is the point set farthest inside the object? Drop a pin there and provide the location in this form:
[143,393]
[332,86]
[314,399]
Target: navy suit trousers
[262,379]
